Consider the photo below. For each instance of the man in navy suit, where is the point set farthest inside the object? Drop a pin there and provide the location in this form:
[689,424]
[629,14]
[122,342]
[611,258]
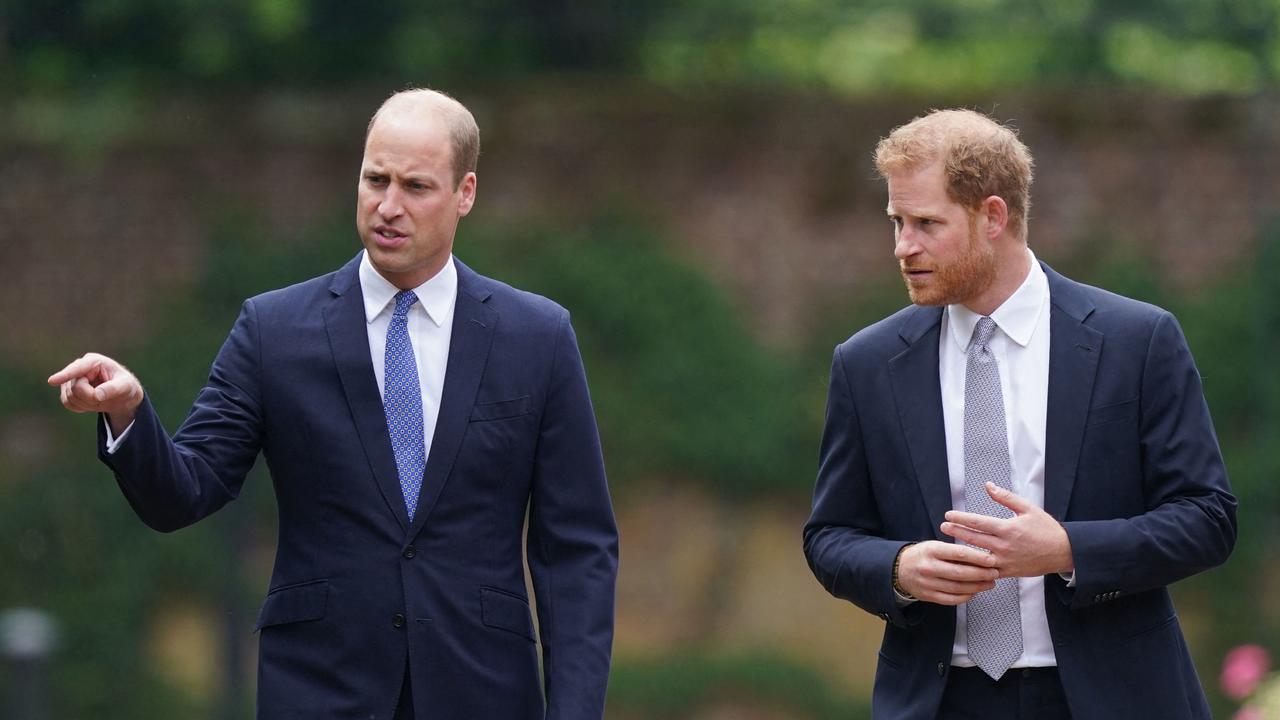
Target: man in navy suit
[414,416]
[1015,467]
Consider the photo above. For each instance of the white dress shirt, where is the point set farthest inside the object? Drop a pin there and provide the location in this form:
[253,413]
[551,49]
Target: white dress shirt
[1021,350]
[430,330]
[430,323]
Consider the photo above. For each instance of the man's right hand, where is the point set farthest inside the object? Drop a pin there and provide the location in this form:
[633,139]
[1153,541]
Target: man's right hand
[945,573]
[96,383]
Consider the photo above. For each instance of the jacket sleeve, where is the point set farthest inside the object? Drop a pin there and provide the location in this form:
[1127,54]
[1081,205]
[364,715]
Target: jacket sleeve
[844,537]
[174,482]
[1190,520]
[572,543]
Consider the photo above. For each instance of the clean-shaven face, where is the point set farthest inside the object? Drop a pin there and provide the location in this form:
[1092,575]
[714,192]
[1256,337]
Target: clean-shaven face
[407,204]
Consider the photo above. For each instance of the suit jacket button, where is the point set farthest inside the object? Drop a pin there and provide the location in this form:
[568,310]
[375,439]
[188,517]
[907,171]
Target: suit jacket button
[942,669]
[397,621]
[410,552]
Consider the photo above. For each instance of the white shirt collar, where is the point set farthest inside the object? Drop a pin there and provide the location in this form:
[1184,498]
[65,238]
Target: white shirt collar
[435,296]
[1017,316]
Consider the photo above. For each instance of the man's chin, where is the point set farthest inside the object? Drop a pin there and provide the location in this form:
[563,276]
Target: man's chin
[924,298]
[386,259]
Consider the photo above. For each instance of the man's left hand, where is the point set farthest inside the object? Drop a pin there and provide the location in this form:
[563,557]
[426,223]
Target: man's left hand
[1029,544]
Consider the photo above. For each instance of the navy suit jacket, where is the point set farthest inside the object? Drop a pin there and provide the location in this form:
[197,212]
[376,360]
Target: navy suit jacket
[357,588]
[1132,470]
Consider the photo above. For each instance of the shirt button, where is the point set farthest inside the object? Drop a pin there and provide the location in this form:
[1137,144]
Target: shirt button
[410,553]
[397,621]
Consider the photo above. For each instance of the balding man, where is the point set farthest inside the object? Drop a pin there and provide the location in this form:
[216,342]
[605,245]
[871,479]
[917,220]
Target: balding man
[416,418]
[1015,467]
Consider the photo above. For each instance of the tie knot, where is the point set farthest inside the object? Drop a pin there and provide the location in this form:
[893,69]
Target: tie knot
[404,300]
[982,333]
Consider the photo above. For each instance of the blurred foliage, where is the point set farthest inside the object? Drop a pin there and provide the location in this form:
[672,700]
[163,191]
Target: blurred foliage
[1233,330]
[682,390]
[680,387]
[960,47]
[135,44]
[71,546]
[680,685]
[1184,47]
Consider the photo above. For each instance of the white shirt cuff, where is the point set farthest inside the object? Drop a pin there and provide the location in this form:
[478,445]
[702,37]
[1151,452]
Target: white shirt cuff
[113,443]
[1071,579]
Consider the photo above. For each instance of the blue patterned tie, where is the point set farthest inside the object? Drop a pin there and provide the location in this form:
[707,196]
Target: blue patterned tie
[402,402]
[994,619]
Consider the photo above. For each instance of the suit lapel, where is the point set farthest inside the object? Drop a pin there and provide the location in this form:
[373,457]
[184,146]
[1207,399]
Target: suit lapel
[473,326]
[345,322]
[1074,348]
[917,392]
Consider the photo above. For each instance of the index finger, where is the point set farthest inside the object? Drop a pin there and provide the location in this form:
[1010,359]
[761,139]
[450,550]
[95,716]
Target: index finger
[1008,498]
[966,554]
[79,367]
[975,521]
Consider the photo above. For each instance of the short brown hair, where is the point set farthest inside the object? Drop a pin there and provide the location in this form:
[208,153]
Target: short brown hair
[980,157]
[464,134]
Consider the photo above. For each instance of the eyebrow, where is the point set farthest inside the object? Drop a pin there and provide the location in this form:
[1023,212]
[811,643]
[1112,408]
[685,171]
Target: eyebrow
[405,177]
[925,212]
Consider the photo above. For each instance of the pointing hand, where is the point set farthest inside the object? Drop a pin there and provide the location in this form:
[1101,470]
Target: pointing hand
[96,383]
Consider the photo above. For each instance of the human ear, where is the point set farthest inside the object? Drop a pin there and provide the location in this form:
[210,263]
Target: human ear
[996,213]
[468,189]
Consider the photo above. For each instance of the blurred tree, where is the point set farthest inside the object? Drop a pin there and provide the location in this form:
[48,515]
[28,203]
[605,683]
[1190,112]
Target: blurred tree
[1186,47]
[681,387]
[75,45]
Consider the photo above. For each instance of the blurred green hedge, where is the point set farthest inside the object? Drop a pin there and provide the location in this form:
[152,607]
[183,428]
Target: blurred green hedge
[684,392]
[1183,47]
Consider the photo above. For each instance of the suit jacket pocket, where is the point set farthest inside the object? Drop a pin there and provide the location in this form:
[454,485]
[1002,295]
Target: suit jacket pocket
[890,661]
[1147,629]
[294,603]
[506,611]
[501,409]
[1113,412]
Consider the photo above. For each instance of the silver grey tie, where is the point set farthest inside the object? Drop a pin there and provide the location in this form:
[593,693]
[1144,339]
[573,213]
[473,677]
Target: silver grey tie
[994,619]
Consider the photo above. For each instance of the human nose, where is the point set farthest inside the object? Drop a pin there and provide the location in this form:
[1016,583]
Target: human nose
[390,206]
[904,243]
